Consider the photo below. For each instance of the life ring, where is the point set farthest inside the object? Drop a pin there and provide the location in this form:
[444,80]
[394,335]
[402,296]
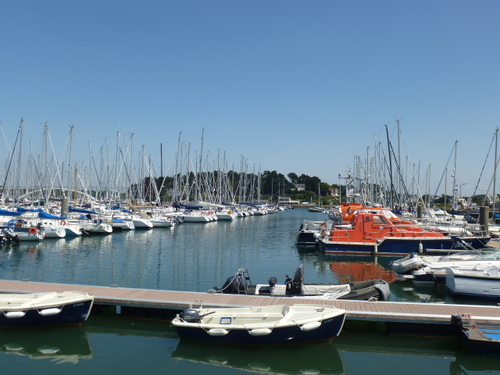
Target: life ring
[33,230]
[64,222]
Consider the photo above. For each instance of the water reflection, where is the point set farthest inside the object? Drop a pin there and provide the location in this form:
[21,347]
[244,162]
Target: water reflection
[362,353]
[60,345]
[108,343]
[311,359]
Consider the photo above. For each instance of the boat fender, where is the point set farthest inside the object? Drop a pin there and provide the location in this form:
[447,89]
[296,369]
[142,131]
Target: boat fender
[260,331]
[15,314]
[64,222]
[13,347]
[217,332]
[33,230]
[48,351]
[259,367]
[310,326]
[49,312]
[310,372]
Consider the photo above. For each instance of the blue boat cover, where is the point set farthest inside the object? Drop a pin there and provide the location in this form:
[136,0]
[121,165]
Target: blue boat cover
[22,209]
[45,215]
[9,213]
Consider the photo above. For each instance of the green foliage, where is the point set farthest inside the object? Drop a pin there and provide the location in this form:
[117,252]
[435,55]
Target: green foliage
[272,186]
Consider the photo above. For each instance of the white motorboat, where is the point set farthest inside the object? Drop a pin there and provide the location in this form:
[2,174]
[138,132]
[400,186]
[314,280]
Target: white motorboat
[53,229]
[161,221]
[434,273]
[96,226]
[261,325]
[408,263]
[122,224]
[415,261]
[29,233]
[481,282]
[227,215]
[73,228]
[44,309]
[141,222]
[195,216]
[296,288]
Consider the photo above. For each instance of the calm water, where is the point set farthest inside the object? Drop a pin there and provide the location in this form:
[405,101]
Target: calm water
[197,257]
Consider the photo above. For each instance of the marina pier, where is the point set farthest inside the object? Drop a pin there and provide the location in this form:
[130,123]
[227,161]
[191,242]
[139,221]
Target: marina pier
[148,303]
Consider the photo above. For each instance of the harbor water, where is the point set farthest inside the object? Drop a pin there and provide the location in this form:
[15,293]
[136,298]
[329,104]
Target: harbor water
[197,257]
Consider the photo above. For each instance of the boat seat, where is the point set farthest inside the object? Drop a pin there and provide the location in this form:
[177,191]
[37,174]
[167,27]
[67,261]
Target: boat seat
[256,316]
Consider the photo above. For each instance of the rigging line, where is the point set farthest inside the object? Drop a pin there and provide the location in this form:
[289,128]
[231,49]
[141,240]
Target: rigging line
[96,172]
[497,162]
[446,166]
[484,164]
[10,161]
[405,189]
[125,167]
[39,180]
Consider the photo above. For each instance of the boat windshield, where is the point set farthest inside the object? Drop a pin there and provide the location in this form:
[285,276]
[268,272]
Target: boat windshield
[380,220]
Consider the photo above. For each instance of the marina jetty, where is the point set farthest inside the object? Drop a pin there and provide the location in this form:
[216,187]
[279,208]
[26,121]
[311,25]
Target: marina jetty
[399,317]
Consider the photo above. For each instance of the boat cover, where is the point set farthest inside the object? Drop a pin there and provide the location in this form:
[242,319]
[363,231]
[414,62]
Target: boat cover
[45,215]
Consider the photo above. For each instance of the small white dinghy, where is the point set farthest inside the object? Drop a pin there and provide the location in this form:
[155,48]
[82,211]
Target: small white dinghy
[480,282]
[261,325]
[45,309]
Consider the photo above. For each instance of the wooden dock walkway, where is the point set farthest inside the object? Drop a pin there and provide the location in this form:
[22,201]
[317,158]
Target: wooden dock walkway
[395,312]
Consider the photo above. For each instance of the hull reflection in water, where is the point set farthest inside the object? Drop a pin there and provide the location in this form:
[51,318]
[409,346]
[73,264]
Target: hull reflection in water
[60,345]
[321,358]
[423,354]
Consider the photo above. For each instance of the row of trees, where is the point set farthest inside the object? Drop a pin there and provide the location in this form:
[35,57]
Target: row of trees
[238,187]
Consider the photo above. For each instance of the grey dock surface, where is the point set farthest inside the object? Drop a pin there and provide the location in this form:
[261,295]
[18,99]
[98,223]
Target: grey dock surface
[395,312]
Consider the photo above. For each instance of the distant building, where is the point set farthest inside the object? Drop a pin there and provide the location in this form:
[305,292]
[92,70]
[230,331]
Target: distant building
[334,192]
[286,200]
[300,187]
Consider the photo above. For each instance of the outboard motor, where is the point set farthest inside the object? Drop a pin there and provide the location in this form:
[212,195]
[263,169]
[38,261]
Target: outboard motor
[237,284]
[294,286]
[190,316]
[457,322]
[9,235]
[268,289]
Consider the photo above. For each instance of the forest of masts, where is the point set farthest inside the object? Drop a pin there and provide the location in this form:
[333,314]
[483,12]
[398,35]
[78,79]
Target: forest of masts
[123,174]
[126,174]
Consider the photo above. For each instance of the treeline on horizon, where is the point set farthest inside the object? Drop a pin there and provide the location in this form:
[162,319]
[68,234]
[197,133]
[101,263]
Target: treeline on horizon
[268,186]
[272,186]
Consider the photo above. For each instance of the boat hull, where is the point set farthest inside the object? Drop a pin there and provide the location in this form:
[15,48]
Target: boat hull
[396,246]
[478,338]
[325,329]
[475,284]
[57,313]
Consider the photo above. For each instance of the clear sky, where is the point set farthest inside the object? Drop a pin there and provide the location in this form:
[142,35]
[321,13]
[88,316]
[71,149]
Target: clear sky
[293,86]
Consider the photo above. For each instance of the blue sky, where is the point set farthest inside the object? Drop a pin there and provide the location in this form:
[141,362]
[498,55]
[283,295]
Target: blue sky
[293,86]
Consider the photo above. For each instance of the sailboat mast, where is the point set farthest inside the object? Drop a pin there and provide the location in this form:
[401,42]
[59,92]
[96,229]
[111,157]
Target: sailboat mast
[455,189]
[495,177]
[19,159]
[391,205]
